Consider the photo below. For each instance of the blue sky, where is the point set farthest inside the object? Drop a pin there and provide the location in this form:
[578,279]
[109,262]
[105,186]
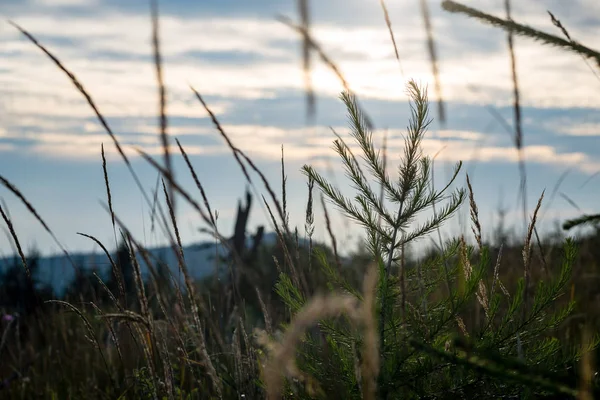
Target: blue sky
[248,67]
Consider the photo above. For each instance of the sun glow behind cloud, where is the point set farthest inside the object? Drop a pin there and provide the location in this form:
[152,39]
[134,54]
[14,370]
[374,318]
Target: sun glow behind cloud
[111,54]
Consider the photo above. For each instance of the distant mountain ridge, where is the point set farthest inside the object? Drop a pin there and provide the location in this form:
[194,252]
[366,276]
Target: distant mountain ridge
[57,271]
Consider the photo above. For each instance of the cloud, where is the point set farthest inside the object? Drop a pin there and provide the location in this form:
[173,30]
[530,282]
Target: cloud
[68,3]
[590,129]
[73,105]
[456,134]
[75,152]
[234,58]
[65,138]
[364,55]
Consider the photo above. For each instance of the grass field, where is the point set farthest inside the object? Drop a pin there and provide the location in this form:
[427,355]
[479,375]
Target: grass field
[513,317]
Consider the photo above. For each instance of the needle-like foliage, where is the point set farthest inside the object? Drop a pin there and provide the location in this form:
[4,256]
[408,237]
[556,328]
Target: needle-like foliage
[440,330]
[410,193]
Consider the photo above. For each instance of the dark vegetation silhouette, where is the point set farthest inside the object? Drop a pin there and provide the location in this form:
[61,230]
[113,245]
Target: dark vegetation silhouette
[17,293]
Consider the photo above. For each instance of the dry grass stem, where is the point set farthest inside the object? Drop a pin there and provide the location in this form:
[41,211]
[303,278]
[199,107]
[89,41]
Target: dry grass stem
[99,116]
[517,114]
[265,312]
[388,23]
[370,358]
[139,282]
[338,261]
[195,307]
[179,248]
[556,22]
[286,215]
[198,185]
[113,334]
[527,254]
[270,190]
[92,335]
[283,355]
[17,243]
[311,42]
[115,270]
[108,291]
[433,58]
[462,326]
[474,215]
[496,278]
[237,153]
[217,125]
[161,94]
[297,278]
[524,30]
[481,294]
[306,59]
[108,195]
[12,188]
[587,368]
[309,221]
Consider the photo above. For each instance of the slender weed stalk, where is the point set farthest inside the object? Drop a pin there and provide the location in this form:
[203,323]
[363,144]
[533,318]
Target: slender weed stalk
[282,358]
[308,40]
[518,135]
[212,221]
[101,119]
[476,228]
[265,312]
[556,22]
[523,30]
[309,221]
[286,214]
[12,188]
[370,365]
[17,243]
[431,49]
[303,9]
[334,246]
[239,155]
[527,254]
[108,195]
[109,326]
[92,335]
[388,23]
[161,93]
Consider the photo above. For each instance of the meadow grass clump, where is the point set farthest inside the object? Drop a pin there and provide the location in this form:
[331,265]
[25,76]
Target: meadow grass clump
[295,321]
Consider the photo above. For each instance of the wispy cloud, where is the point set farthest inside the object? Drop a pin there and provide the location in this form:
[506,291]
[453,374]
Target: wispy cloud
[586,129]
[199,50]
[63,3]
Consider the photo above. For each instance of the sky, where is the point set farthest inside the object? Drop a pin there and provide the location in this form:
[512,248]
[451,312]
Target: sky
[248,67]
